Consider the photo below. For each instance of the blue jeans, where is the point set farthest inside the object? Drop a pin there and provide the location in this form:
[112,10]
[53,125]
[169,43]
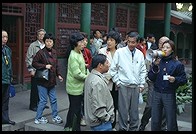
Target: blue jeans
[167,102]
[43,97]
[106,126]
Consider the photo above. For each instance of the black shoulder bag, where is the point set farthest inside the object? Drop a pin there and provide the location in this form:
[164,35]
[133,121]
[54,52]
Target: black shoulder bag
[42,73]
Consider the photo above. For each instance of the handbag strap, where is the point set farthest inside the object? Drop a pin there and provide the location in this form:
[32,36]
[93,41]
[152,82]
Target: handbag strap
[46,57]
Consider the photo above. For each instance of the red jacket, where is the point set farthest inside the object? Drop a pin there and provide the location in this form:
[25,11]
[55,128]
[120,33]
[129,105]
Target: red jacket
[142,49]
[87,57]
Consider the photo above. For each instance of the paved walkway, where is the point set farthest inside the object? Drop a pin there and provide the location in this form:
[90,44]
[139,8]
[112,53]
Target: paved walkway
[20,113]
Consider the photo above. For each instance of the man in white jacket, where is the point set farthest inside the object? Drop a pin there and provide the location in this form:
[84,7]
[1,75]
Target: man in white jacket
[128,71]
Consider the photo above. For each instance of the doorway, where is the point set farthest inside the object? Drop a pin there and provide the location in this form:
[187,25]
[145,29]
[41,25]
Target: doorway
[13,26]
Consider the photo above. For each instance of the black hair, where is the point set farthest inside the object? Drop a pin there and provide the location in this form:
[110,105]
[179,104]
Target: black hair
[115,35]
[91,36]
[172,46]
[150,35]
[128,32]
[141,39]
[114,29]
[48,36]
[74,38]
[99,58]
[134,34]
[84,34]
[94,32]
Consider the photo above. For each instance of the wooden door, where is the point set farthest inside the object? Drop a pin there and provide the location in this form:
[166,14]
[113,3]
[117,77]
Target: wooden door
[13,24]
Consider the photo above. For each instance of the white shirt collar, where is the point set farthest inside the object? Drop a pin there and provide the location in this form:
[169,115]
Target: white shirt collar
[41,45]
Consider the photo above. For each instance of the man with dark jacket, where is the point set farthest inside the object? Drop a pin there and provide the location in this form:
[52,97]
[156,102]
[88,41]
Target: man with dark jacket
[150,42]
[6,78]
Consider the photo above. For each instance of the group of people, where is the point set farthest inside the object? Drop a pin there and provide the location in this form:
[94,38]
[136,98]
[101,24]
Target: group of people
[102,81]
[116,78]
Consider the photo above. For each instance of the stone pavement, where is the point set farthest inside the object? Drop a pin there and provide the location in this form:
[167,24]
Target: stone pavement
[24,117]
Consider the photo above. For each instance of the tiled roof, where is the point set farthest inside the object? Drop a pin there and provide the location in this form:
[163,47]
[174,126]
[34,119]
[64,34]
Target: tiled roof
[186,17]
[188,14]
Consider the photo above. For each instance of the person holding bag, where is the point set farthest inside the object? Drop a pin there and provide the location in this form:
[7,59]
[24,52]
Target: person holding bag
[33,48]
[42,73]
[47,58]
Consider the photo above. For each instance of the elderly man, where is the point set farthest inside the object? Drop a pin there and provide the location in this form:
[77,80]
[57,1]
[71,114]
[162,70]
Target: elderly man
[6,78]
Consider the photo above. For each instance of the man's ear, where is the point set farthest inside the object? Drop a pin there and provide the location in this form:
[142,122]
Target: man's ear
[100,65]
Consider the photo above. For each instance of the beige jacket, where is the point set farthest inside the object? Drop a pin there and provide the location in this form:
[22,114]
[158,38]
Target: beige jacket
[98,102]
[32,50]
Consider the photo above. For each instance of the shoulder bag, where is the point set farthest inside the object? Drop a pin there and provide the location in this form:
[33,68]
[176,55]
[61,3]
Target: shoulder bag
[42,73]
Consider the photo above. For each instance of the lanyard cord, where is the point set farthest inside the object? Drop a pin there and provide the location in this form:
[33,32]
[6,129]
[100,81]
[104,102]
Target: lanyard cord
[5,55]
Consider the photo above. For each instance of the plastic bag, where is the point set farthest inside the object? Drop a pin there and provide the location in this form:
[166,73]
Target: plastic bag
[140,98]
[12,91]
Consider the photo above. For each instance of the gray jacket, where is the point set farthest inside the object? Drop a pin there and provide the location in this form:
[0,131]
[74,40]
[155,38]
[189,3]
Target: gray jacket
[98,102]
[32,50]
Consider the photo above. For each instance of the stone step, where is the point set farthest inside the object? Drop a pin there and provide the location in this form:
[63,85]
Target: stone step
[31,126]
[182,125]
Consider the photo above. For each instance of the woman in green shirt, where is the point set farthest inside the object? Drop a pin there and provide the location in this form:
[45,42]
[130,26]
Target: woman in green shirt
[76,74]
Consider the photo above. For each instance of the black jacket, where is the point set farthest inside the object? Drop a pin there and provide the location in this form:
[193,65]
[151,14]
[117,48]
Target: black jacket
[173,68]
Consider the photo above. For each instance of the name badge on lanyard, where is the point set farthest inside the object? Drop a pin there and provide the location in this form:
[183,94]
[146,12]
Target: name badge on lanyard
[165,77]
